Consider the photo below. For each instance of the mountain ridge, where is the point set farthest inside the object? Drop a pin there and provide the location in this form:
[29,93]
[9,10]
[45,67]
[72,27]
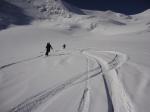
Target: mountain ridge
[26,11]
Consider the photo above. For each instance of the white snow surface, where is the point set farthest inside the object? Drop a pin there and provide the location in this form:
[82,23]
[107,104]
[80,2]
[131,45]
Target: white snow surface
[104,68]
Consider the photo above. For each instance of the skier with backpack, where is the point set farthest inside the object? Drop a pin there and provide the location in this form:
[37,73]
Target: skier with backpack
[48,48]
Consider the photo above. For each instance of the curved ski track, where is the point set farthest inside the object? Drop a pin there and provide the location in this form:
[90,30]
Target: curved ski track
[118,99]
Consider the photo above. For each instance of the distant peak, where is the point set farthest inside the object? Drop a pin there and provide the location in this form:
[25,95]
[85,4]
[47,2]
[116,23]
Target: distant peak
[48,8]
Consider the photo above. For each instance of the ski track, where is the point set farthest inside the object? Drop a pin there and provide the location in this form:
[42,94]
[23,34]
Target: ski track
[85,101]
[33,102]
[118,99]
[30,59]
[84,104]
[21,61]
[109,100]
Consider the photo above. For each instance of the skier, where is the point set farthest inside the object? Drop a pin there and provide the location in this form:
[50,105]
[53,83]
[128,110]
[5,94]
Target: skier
[64,46]
[48,48]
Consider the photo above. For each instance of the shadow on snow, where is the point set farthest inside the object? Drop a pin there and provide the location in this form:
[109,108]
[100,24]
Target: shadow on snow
[11,14]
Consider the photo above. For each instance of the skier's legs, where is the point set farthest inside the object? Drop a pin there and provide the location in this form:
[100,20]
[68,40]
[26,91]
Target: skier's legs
[47,52]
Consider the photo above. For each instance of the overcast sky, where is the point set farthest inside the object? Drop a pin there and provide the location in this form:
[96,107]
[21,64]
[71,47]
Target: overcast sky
[122,6]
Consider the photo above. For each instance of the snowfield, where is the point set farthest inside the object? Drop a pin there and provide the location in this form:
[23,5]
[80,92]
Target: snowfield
[104,68]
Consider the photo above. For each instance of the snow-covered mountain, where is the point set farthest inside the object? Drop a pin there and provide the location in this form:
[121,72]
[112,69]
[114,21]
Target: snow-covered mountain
[47,8]
[12,14]
[21,12]
[62,13]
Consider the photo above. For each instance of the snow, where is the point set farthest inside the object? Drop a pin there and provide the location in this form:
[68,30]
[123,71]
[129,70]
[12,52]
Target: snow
[105,66]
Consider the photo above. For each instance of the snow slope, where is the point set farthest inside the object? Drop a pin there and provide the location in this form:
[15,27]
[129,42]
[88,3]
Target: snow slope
[63,14]
[26,11]
[104,68]
[7,12]
[46,8]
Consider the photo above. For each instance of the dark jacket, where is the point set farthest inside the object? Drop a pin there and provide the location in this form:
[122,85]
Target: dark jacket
[48,47]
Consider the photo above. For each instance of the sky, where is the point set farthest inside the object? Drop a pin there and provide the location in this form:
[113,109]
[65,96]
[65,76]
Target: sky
[121,6]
